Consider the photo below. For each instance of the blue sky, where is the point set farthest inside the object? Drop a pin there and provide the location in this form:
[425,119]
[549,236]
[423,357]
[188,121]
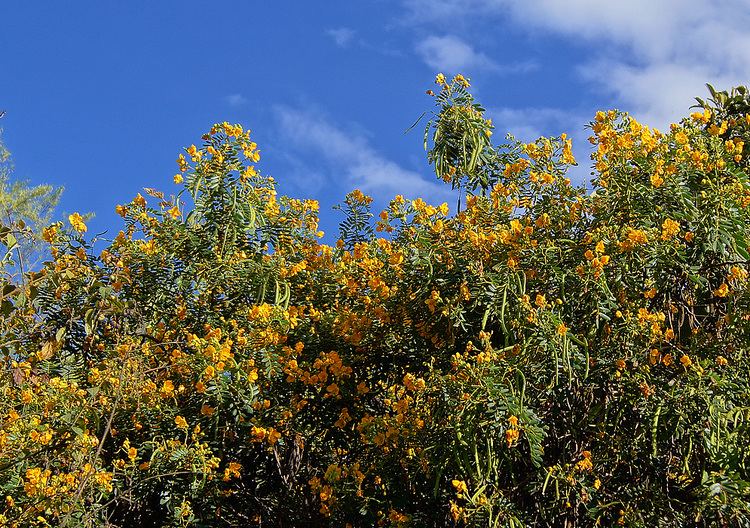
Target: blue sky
[101,95]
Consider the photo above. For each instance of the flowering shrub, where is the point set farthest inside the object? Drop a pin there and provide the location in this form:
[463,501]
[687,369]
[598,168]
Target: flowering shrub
[542,356]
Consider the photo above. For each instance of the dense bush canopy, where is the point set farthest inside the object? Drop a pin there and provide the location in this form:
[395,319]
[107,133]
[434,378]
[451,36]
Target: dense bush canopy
[539,356]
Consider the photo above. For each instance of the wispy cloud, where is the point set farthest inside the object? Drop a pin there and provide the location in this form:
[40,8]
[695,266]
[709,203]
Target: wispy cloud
[235,99]
[341,36]
[350,155]
[451,54]
[653,57]
[427,11]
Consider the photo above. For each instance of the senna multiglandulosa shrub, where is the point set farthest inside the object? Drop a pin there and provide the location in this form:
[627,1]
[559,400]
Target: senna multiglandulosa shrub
[542,356]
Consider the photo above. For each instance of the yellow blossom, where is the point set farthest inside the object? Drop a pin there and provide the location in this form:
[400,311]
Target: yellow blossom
[460,486]
[669,229]
[722,291]
[585,463]
[656,180]
[511,436]
[76,220]
[567,154]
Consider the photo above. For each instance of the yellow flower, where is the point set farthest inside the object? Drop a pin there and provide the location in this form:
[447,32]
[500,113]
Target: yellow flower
[511,435]
[456,511]
[669,229]
[562,329]
[132,454]
[567,154]
[542,221]
[637,236]
[460,486]
[182,163]
[76,221]
[585,464]
[273,436]
[49,233]
[440,79]
[177,178]
[718,130]
[194,153]
[432,301]
[737,273]
[167,389]
[258,434]
[180,422]
[232,470]
[460,79]
[703,117]
[722,291]
[686,361]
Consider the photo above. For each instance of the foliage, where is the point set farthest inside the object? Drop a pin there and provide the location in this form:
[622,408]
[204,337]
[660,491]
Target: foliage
[357,226]
[24,210]
[542,357]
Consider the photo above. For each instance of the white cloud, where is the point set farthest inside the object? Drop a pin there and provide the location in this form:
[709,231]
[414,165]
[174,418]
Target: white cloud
[235,99]
[351,154]
[451,54]
[653,55]
[657,93]
[341,36]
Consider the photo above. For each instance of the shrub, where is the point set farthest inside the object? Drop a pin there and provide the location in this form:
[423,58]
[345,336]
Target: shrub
[542,356]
